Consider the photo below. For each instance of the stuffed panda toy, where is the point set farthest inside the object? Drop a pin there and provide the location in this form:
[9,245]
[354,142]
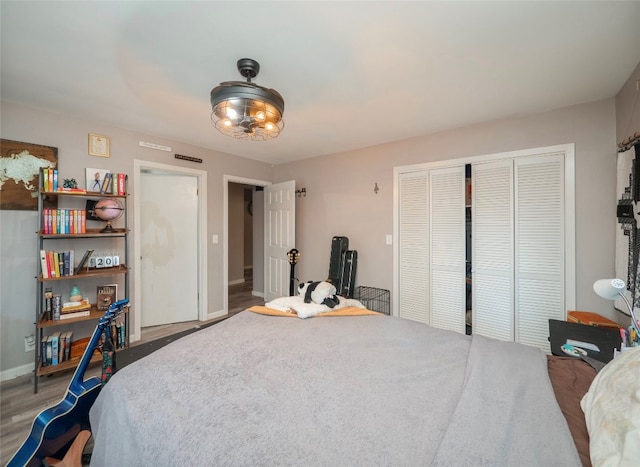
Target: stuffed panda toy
[320,292]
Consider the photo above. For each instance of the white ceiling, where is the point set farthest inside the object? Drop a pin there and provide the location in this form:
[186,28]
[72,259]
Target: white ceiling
[353,74]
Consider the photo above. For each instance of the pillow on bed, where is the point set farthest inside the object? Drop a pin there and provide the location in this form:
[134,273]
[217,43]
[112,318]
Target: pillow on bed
[612,412]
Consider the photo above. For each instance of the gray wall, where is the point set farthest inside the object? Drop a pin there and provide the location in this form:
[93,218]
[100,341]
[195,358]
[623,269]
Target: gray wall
[70,135]
[628,114]
[340,198]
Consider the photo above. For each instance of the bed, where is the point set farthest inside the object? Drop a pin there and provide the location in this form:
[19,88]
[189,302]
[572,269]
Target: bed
[349,389]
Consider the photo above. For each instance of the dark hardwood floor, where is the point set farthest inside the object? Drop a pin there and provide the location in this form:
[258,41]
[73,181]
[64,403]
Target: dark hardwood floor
[19,406]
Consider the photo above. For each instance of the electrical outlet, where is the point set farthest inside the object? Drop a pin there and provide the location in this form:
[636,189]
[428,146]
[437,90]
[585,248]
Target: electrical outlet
[29,343]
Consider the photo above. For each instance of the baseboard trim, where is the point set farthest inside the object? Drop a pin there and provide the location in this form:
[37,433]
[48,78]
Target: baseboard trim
[237,281]
[217,314]
[257,294]
[15,372]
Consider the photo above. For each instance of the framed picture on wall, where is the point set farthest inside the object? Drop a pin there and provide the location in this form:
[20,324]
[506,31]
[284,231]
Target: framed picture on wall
[21,165]
[98,145]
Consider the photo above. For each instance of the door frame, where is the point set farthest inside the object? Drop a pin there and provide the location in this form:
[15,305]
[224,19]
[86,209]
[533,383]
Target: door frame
[201,176]
[225,231]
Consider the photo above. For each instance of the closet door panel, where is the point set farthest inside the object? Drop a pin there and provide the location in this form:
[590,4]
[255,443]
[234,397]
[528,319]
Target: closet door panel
[447,236]
[539,247]
[492,249]
[413,251]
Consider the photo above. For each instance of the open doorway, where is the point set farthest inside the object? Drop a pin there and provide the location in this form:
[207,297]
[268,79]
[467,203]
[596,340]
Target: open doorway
[245,268]
[273,220]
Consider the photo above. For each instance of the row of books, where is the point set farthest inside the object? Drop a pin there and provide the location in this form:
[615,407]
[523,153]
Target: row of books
[56,263]
[56,348]
[49,182]
[114,183]
[61,263]
[64,221]
[118,332]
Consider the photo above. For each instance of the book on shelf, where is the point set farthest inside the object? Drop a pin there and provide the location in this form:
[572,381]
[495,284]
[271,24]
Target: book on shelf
[48,299]
[56,306]
[56,263]
[122,334]
[67,344]
[43,264]
[118,332]
[44,179]
[47,353]
[61,346]
[66,255]
[122,179]
[105,296]
[72,307]
[43,351]
[74,314]
[106,183]
[55,343]
[71,190]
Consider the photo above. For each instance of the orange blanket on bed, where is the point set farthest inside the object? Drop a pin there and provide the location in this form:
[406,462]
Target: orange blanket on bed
[347,311]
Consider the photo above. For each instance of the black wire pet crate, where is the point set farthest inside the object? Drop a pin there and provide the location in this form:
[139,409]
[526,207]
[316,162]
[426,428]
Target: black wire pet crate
[374,299]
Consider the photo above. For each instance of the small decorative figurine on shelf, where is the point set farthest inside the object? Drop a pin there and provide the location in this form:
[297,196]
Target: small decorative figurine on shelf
[75,295]
[70,183]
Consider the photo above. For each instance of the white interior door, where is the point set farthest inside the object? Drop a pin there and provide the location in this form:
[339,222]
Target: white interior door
[280,237]
[168,248]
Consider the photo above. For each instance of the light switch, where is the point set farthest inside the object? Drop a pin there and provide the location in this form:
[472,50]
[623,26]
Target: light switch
[214,239]
[389,240]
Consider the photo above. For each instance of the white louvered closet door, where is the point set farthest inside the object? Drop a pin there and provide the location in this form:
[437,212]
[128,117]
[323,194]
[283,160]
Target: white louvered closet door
[447,248]
[413,252]
[518,212]
[539,247]
[492,249]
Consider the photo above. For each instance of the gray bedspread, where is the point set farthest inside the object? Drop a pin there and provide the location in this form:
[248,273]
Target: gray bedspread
[332,391]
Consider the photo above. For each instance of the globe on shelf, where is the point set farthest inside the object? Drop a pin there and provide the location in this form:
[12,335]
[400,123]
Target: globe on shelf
[108,209]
